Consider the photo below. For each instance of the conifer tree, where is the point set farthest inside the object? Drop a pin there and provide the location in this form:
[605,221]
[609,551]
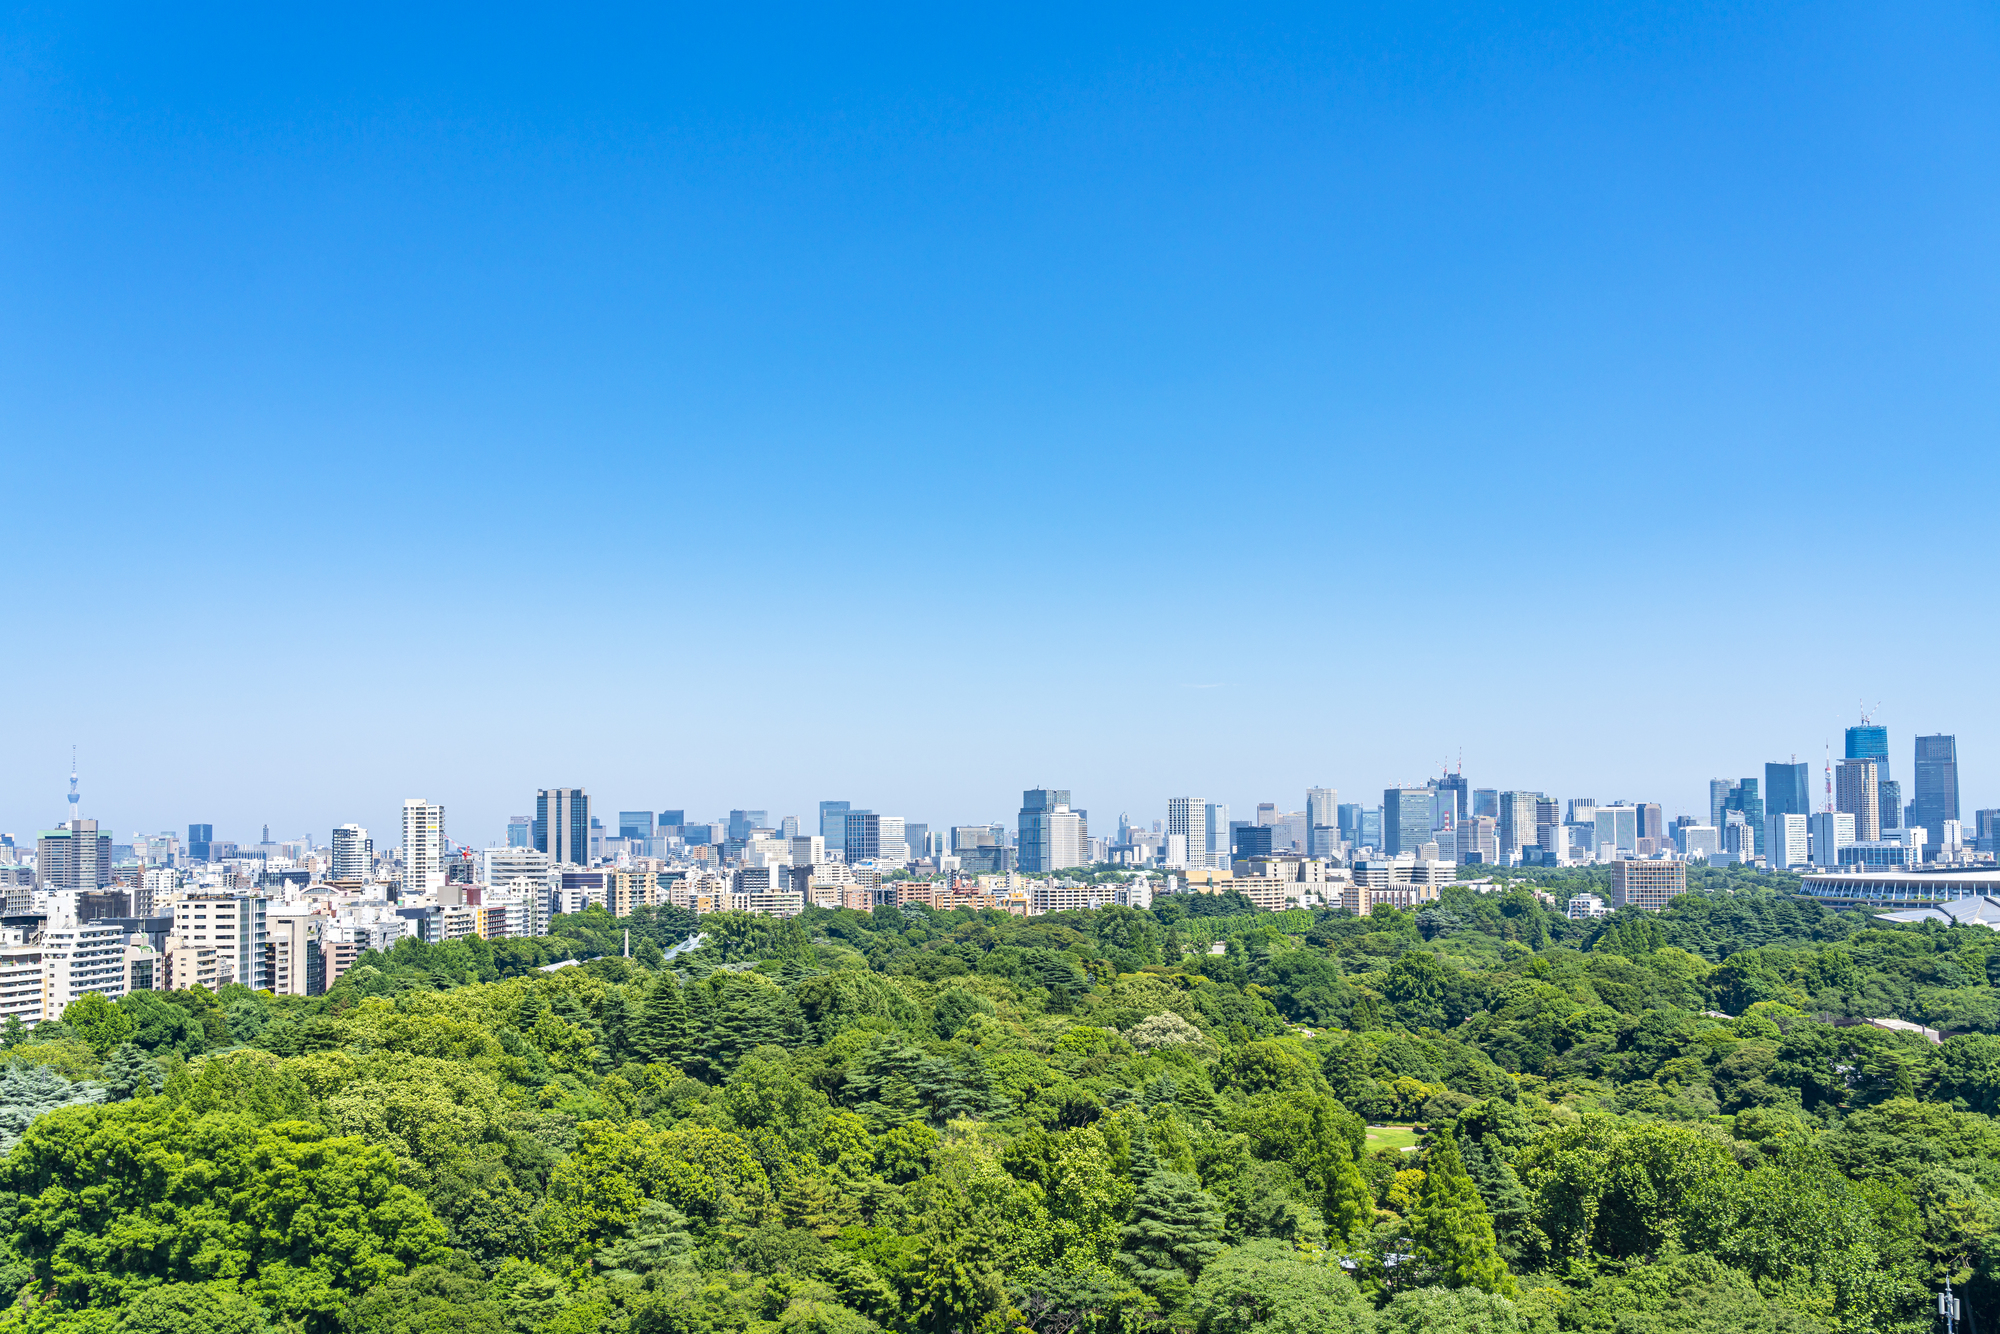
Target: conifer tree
[1172,1233]
[129,1073]
[660,1031]
[1451,1230]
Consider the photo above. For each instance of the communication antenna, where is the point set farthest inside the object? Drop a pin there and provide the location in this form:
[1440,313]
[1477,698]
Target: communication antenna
[73,797]
[1829,778]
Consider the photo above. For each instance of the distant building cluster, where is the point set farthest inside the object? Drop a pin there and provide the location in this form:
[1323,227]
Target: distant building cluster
[86,914]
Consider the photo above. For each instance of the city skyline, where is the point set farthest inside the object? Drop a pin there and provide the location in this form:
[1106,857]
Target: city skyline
[473,832]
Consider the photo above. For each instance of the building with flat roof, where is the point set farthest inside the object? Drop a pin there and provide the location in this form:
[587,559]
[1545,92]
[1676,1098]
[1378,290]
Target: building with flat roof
[1647,884]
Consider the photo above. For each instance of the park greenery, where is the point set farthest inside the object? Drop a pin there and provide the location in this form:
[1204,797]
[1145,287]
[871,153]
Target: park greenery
[925,1122]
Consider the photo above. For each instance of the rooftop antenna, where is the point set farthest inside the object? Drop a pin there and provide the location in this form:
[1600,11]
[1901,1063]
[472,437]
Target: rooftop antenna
[1829,778]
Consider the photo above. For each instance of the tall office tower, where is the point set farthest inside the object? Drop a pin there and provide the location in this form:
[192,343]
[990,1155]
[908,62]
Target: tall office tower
[1787,789]
[1406,818]
[1051,835]
[895,842]
[1188,817]
[808,850]
[1486,801]
[562,825]
[1652,822]
[1454,799]
[1216,845]
[520,831]
[635,824]
[1582,810]
[788,827]
[1548,811]
[1871,742]
[1322,822]
[670,821]
[1889,800]
[742,822]
[74,857]
[1745,799]
[353,854]
[1516,825]
[833,821]
[1787,840]
[200,838]
[425,852]
[1371,828]
[1868,742]
[1720,791]
[1617,830]
[1936,780]
[1348,817]
[1857,792]
[1831,831]
[1250,840]
[1479,840]
[861,835]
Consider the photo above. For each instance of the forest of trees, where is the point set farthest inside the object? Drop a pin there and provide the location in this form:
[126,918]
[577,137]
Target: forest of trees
[1480,1117]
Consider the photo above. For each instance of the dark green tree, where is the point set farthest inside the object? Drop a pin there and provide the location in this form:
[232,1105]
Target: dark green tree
[1173,1232]
[660,1031]
[129,1074]
[1450,1227]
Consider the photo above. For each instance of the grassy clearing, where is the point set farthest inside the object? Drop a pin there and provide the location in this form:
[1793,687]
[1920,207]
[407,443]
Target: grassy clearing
[1392,1137]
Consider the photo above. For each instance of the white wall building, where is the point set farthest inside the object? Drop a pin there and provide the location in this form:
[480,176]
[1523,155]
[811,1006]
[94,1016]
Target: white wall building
[424,851]
[354,852]
[1787,841]
[1831,831]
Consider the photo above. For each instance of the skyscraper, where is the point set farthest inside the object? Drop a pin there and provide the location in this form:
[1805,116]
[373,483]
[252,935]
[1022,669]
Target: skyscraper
[562,825]
[1856,791]
[635,824]
[1322,821]
[1218,834]
[1406,818]
[353,854]
[1454,800]
[1188,818]
[424,849]
[200,837]
[1051,836]
[1936,781]
[833,821]
[861,836]
[1516,826]
[1870,741]
[1787,789]
[1719,792]
[1745,799]
[520,831]
[742,822]
[74,857]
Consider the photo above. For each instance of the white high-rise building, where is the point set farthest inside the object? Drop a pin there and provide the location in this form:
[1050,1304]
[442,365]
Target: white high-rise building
[354,853]
[1787,841]
[1831,831]
[511,868]
[808,850]
[1188,817]
[424,851]
[895,848]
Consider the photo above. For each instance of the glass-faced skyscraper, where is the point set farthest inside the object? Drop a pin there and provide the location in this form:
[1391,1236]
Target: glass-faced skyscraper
[1787,789]
[1936,779]
[1870,741]
[562,825]
[1406,818]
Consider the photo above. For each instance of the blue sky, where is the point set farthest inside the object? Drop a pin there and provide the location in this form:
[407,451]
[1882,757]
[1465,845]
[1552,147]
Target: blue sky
[742,408]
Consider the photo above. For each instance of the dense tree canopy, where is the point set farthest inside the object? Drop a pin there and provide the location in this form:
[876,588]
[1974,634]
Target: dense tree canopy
[1476,1117]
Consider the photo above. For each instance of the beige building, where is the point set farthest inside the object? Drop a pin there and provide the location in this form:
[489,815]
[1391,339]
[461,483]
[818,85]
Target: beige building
[1857,792]
[1648,884]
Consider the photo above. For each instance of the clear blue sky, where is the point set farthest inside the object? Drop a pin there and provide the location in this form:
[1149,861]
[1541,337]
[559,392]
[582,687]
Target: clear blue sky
[742,406]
